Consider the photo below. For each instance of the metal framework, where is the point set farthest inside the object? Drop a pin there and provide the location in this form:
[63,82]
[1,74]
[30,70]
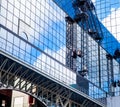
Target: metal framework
[110,74]
[84,50]
[83,12]
[81,9]
[77,7]
[71,46]
[16,75]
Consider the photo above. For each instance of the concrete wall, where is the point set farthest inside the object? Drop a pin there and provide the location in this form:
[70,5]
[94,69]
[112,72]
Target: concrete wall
[23,103]
[113,101]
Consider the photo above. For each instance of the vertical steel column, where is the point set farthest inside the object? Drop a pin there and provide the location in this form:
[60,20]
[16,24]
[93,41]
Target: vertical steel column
[110,73]
[71,42]
[84,49]
[99,66]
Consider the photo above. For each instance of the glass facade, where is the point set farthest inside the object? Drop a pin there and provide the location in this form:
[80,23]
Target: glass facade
[101,70]
[42,21]
[108,13]
[41,27]
[35,32]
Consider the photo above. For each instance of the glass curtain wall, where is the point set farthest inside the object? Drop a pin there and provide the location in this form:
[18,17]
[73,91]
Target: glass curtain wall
[41,35]
[40,29]
[108,13]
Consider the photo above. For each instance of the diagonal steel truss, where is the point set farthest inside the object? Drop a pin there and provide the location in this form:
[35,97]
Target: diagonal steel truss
[19,78]
[16,75]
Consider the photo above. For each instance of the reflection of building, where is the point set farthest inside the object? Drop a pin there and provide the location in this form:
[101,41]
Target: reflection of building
[47,42]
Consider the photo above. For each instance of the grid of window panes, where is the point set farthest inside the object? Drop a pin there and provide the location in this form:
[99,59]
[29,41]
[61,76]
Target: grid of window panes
[97,65]
[101,78]
[93,67]
[108,13]
[93,61]
[97,69]
[103,69]
[41,24]
[41,27]
[41,20]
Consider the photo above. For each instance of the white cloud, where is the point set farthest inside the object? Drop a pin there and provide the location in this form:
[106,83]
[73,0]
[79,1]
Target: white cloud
[112,22]
[46,11]
[47,16]
[43,62]
[93,1]
[53,68]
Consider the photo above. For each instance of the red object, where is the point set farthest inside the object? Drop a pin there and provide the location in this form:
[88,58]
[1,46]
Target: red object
[30,100]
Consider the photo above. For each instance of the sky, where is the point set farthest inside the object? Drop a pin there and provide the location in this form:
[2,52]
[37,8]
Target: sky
[114,25]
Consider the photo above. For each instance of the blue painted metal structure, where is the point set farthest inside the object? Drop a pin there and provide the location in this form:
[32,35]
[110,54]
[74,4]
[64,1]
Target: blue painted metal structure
[108,41]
